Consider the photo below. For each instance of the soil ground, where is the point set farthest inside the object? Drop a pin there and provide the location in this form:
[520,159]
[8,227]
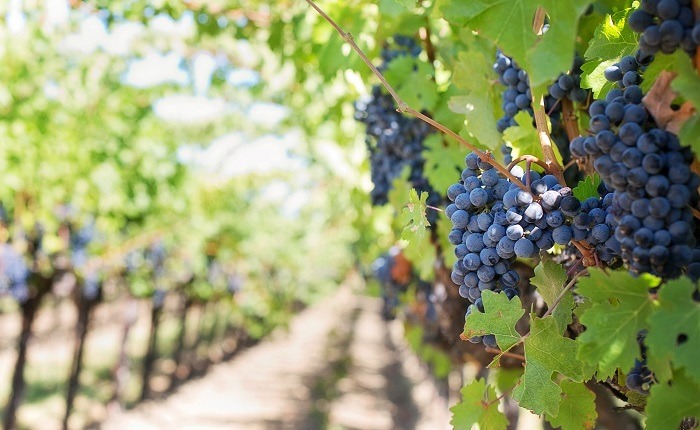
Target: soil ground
[338,366]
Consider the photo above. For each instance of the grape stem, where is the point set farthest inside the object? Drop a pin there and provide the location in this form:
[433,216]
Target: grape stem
[434,208]
[530,159]
[405,108]
[570,119]
[505,353]
[696,213]
[540,114]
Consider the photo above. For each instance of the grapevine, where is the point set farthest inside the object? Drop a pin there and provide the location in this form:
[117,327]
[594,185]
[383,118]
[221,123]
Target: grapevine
[637,217]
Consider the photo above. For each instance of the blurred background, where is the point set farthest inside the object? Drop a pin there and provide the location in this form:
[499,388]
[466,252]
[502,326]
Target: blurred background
[183,183]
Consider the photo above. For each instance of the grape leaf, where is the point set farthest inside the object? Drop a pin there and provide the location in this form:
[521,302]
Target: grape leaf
[506,379]
[479,405]
[508,24]
[669,404]
[546,352]
[550,280]
[420,250]
[671,63]
[687,83]
[524,138]
[443,161]
[412,80]
[612,40]
[587,188]
[577,407]
[536,391]
[499,319]
[674,331]
[478,101]
[593,77]
[620,307]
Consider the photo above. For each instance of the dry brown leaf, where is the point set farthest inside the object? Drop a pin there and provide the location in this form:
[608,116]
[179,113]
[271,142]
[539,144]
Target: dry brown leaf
[658,102]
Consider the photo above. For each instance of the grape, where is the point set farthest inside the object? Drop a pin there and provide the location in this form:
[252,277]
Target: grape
[395,141]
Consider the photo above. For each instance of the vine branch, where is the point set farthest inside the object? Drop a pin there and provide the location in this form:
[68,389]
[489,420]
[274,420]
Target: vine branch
[405,108]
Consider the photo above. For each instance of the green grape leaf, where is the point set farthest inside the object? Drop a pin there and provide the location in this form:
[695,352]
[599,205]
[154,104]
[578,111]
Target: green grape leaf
[546,352]
[536,391]
[587,188]
[577,407]
[524,138]
[673,339]
[612,40]
[620,307]
[671,63]
[420,250]
[444,227]
[508,24]
[479,96]
[506,379]
[669,404]
[412,80]
[443,161]
[499,319]
[687,83]
[479,405]
[550,280]
[593,77]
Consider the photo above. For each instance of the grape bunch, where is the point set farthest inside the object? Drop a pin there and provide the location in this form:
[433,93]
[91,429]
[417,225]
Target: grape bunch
[494,221]
[14,274]
[80,238]
[640,377]
[649,173]
[568,85]
[394,140]
[382,270]
[517,95]
[666,25]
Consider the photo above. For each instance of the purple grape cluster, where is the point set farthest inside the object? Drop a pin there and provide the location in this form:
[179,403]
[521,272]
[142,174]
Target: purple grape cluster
[14,274]
[494,221]
[394,141]
[568,85]
[517,95]
[649,172]
[666,25]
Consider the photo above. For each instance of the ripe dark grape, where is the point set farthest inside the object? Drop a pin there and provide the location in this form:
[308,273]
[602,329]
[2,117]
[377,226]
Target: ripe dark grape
[665,26]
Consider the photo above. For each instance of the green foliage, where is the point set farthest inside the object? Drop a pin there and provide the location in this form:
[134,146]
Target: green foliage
[577,407]
[479,405]
[415,230]
[674,332]
[498,319]
[508,25]
[669,403]
[613,39]
[546,352]
[412,80]
[550,280]
[443,161]
[687,83]
[478,95]
[587,188]
[524,138]
[620,307]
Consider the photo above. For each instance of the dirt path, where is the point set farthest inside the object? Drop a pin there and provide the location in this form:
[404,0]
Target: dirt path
[340,366]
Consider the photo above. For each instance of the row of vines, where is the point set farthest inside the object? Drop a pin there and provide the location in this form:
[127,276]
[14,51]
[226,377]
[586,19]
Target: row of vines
[108,225]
